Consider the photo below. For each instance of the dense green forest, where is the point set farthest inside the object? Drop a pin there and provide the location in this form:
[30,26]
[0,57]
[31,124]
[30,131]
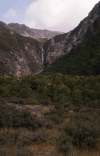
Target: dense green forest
[78,90]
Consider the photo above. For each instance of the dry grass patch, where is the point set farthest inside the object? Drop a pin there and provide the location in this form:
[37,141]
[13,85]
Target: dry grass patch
[70,111]
[46,109]
[32,107]
[45,149]
[67,120]
[91,152]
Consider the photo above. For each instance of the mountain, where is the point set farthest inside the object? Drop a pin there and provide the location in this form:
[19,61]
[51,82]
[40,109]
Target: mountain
[18,54]
[83,59]
[62,44]
[34,33]
[22,49]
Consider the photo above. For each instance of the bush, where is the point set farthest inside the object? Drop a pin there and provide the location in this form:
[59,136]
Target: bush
[2,151]
[57,114]
[18,139]
[25,92]
[9,139]
[84,130]
[49,125]
[24,152]
[25,139]
[45,102]
[64,144]
[12,117]
[77,97]
[40,136]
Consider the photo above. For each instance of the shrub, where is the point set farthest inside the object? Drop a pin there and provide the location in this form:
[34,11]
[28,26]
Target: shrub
[57,114]
[45,102]
[84,131]
[11,117]
[9,139]
[41,122]
[49,125]
[24,152]
[40,136]
[25,92]
[25,139]
[77,97]
[64,144]
[2,151]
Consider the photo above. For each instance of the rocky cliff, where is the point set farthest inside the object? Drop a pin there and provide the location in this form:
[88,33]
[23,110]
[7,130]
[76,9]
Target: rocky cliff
[62,44]
[34,33]
[83,59]
[18,54]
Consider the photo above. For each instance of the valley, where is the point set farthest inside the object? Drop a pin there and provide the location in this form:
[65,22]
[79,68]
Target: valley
[50,90]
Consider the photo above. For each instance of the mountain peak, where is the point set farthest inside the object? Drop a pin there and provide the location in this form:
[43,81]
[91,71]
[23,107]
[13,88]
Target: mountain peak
[30,32]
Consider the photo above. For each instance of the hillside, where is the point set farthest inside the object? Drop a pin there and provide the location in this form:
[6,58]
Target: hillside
[62,44]
[18,54]
[83,59]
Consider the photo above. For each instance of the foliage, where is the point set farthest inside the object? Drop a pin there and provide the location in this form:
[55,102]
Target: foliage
[84,129]
[17,140]
[64,144]
[11,117]
[61,91]
[56,88]
[57,114]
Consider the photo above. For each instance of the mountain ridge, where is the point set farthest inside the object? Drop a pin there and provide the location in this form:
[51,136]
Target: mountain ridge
[30,32]
[83,59]
[55,48]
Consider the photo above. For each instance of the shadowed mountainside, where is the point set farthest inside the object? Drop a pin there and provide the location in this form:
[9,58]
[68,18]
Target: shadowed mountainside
[83,59]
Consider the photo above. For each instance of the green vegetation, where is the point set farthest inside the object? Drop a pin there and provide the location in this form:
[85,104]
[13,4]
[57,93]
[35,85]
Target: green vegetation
[75,114]
[10,117]
[84,129]
[56,88]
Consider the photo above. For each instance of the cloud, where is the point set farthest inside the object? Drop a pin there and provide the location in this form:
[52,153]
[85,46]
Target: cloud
[10,13]
[60,15]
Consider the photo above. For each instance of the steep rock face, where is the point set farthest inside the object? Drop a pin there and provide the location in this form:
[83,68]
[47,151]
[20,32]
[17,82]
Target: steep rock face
[34,33]
[83,59]
[62,44]
[18,54]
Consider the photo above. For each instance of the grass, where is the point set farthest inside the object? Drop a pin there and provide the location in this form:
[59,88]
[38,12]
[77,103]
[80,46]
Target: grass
[85,152]
[32,107]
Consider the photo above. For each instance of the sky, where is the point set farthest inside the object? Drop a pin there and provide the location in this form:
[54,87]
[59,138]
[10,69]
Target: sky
[55,15]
